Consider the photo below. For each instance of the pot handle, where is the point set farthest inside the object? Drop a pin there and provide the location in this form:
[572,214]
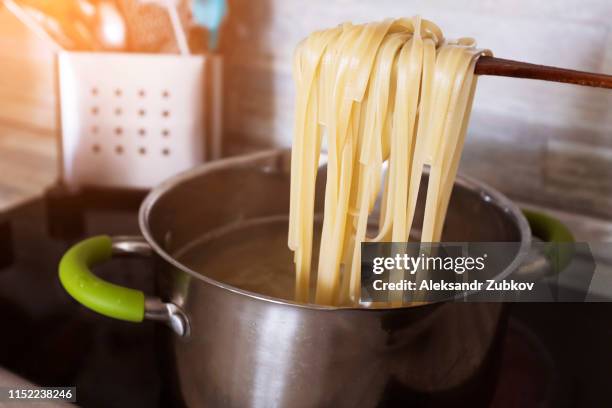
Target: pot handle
[107,298]
[547,228]
[544,260]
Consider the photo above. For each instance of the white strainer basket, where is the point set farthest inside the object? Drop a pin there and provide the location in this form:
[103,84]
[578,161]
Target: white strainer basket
[133,120]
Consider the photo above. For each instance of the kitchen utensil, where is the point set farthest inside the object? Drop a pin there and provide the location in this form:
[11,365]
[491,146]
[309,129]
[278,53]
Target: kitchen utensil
[516,69]
[177,27]
[149,26]
[210,14]
[246,349]
[110,27]
[175,22]
[88,10]
[197,36]
[130,120]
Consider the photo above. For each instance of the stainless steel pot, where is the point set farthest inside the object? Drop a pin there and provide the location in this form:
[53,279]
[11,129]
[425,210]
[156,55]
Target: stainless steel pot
[236,348]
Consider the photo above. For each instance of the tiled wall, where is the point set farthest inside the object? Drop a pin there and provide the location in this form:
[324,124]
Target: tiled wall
[546,143]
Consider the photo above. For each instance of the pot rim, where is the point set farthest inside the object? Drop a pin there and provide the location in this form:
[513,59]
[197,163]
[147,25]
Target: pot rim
[488,193]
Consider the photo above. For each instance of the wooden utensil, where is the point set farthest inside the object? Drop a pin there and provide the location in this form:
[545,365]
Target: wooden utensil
[516,69]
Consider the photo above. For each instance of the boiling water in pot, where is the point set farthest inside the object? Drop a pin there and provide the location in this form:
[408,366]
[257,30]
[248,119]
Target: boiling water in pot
[253,255]
[250,255]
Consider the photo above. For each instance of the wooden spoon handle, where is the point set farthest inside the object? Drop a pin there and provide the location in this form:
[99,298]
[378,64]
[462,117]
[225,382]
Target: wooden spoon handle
[516,69]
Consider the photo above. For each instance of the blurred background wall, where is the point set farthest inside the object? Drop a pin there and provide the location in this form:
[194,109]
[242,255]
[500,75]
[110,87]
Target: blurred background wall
[544,143]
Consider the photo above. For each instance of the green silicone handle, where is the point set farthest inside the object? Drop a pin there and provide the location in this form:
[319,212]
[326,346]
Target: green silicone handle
[547,228]
[98,295]
[552,230]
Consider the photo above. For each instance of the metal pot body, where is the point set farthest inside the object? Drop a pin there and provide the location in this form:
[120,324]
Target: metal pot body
[248,350]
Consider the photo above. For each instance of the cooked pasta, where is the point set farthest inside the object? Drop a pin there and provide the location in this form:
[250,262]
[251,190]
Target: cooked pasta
[392,92]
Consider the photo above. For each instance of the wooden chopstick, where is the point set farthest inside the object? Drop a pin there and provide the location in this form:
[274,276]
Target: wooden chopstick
[516,69]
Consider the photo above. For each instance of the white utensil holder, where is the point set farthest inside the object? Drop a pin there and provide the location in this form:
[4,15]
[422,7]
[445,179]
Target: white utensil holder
[133,120]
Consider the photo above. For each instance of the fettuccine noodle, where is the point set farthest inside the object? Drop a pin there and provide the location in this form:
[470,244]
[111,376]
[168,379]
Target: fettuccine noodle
[394,91]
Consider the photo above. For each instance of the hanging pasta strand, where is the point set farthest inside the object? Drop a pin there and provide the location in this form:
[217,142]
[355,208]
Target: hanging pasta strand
[392,95]
[305,165]
[371,155]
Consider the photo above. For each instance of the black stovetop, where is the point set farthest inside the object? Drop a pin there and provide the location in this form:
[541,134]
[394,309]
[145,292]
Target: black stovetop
[555,355]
